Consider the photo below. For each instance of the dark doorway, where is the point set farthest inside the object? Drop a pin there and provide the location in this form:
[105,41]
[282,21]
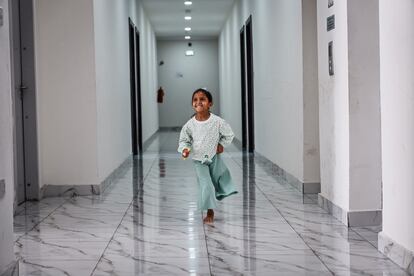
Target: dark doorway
[250,84]
[132,74]
[243,88]
[138,89]
[24,102]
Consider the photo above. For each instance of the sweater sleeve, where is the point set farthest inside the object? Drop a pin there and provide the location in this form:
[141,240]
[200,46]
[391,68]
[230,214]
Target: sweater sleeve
[185,140]
[226,133]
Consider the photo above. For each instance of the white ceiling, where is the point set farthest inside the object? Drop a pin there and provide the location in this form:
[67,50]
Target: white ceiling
[167,17]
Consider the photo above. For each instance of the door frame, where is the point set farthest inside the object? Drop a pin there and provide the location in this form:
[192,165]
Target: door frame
[138,87]
[250,83]
[243,87]
[24,110]
[133,96]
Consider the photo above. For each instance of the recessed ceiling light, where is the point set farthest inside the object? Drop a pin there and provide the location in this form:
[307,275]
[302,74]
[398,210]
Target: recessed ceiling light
[187,29]
[187,37]
[188,3]
[189,53]
[187,17]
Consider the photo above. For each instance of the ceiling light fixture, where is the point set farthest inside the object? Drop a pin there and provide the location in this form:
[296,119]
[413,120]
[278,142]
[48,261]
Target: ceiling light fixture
[187,17]
[187,37]
[187,29]
[188,3]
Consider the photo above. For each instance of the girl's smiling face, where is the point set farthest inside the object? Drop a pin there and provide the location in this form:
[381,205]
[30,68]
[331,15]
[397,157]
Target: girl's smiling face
[201,103]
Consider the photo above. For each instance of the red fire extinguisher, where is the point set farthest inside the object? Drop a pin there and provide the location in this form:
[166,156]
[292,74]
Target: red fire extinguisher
[160,95]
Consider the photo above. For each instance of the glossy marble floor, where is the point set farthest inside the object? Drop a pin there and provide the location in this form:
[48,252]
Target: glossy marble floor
[146,223]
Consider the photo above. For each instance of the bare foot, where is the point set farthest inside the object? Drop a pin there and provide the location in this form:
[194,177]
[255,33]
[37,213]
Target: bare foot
[210,217]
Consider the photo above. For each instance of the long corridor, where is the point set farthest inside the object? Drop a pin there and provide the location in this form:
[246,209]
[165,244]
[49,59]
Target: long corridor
[146,223]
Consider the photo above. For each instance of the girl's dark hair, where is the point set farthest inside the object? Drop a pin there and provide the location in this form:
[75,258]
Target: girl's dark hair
[205,92]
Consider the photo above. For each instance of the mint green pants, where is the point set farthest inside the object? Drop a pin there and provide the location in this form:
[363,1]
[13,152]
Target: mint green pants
[214,182]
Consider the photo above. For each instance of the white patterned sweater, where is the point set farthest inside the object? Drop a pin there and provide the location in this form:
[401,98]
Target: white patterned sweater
[202,137]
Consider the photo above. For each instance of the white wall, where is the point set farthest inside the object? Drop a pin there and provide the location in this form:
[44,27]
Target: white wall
[397,116]
[112,84]
[200,70]
[6,145]
[334,105]
[349,108]
[149,78]
[364,105]
[229,71]
[278,83]
[82,70]
[113,80]
[279,78]
[66,85]
[311,154]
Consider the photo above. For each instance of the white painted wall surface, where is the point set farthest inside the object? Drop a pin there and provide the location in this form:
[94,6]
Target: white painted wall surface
[311,154]
[364,105]
[181,75]
[82,69]
[334,105]
[112,84]
[278,82]
[397,116]
[66,85]
[229,72]
[149,78]
[6,144]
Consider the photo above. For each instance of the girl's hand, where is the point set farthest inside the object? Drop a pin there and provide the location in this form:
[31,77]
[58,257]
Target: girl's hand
[220,148]
[185,153]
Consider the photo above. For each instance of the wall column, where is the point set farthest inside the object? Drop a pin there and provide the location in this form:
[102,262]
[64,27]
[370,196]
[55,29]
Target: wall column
[396,23]
[350,112]
[8,264]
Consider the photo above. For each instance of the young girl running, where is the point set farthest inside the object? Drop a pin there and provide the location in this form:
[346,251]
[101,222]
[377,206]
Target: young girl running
[205,135]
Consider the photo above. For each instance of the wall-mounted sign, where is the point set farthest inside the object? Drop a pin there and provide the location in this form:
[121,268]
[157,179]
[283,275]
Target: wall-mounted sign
[1,16]
[330,58]
[330,23]
[2,188]
[330,3]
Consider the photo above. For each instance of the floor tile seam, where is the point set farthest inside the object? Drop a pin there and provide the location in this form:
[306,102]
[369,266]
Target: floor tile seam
[77,259]
[120,222]
[299,235]
[397,266]
[207,247]
[40,221]
[208,252]
[313,251]
[350,228]
[21,211]
[129,206]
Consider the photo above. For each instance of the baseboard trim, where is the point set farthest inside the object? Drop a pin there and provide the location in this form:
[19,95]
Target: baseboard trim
[87,189]
[333,209]
[351,218]
[396,252]
[282,175]
[11,270]
[149,141]
[365,218]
